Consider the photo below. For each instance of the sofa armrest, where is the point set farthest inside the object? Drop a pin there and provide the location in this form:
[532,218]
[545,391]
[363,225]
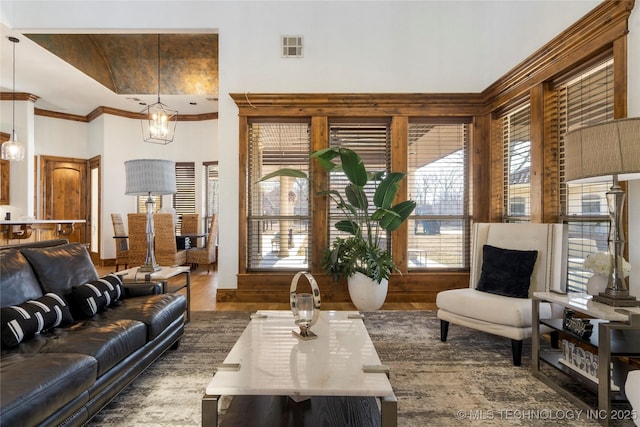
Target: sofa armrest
[137,289]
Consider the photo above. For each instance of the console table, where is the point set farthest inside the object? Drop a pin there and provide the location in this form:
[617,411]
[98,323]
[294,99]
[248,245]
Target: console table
[615,338]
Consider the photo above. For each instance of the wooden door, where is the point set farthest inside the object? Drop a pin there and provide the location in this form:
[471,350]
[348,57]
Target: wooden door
[64,190]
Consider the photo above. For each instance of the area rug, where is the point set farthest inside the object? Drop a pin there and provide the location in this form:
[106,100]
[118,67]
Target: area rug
[467,381]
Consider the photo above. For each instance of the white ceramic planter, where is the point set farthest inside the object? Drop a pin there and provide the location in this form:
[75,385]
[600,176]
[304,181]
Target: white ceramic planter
[367,294]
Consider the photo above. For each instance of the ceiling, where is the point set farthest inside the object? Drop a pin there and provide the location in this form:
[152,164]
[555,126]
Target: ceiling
[77,73]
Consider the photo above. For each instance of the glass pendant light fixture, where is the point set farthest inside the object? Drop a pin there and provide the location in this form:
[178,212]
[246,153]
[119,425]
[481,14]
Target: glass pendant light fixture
[12,150]
[159,121]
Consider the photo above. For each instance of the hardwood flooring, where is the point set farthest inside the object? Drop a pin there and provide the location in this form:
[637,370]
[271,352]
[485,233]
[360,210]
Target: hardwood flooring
[203,297]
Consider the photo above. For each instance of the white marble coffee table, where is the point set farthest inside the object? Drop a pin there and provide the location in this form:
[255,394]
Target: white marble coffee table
[268,360]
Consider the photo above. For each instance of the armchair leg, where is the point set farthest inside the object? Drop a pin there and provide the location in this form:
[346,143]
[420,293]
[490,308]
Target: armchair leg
[516,348]
[444,330]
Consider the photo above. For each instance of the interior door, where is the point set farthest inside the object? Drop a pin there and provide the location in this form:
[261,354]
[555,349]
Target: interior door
[64,192]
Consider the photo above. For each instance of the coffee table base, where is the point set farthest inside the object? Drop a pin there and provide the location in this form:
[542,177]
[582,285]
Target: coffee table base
[316,411]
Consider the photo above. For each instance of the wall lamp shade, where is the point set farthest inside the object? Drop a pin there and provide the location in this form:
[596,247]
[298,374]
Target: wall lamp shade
[597,153]
[153,177]
[150,177]
[603,152]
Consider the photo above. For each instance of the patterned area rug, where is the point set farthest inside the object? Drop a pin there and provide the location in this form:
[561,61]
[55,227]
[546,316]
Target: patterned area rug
[467,381]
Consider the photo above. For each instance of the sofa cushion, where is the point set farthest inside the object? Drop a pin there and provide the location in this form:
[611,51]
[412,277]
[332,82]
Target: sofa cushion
[156,311]
[491,308]
[18,282]
[23,321]
[36,385]
[506,272]
[93,297]
[59,268]
[107,342]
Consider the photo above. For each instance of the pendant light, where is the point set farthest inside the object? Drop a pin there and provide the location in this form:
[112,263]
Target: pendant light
[12,150]
[159,121]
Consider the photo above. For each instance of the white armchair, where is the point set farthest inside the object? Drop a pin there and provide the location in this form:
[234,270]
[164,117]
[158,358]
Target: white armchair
[507,316]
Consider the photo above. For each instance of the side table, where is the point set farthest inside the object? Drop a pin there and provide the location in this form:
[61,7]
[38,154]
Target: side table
[615,338]
[163,275]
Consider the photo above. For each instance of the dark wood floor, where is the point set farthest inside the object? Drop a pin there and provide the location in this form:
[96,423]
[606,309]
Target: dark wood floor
[203,297]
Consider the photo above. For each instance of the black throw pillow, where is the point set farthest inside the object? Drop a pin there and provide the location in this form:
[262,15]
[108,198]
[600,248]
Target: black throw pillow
[94,297]
[506,272]
[23,321]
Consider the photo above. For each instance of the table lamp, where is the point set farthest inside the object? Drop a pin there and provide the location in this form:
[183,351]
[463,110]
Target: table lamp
[150,177]
[602,152]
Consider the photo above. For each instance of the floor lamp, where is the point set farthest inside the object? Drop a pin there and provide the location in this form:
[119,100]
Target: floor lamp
[607,151]
[150,177]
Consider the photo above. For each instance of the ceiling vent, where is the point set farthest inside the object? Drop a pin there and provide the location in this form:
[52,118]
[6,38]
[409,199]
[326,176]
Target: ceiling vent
[292,46]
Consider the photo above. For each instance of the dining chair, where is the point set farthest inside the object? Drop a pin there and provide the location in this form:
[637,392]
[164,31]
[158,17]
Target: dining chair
[121,239]
[137,224]
[166,249]
[206,255]
[190,223]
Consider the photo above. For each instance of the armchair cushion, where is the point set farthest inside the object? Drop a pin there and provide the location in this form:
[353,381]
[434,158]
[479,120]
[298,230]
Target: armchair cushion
[506,272]
[494,309]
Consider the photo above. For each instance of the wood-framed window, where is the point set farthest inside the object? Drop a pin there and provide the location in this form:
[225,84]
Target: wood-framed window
[583,99]
[438,231]
[210,190]
[516,149]
[278,214]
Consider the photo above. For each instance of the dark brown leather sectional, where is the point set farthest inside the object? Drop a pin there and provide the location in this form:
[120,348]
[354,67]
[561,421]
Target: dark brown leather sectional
[66,374]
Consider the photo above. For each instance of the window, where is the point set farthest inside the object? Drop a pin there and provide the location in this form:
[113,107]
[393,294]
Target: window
[210,189]
[184,201]
[516,143]
[371,140]
[142,203]
[584,100]
[438,182]
[278,229]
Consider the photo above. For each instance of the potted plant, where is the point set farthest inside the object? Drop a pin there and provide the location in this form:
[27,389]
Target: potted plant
[361,257]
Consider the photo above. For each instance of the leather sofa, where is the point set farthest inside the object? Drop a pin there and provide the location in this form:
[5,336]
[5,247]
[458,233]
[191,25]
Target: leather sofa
[86,347]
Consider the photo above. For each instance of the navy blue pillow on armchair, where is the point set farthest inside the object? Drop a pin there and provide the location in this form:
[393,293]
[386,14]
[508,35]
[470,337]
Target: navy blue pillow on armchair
[506,272]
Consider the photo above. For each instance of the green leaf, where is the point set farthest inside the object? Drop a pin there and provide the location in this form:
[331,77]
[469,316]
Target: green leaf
[392,218]
[353,167]
[387,190]
[357,197]
[295,173]
[347,226]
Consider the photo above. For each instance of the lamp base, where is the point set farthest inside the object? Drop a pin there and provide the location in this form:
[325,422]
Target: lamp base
[149,269]
[619,301]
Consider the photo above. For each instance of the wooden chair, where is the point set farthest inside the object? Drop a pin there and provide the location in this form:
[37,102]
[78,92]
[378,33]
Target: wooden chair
[206,255]
[137,224]
[122,245]
[166,250]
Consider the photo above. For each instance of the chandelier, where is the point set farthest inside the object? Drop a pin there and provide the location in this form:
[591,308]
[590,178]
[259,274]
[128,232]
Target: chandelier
[159,121]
